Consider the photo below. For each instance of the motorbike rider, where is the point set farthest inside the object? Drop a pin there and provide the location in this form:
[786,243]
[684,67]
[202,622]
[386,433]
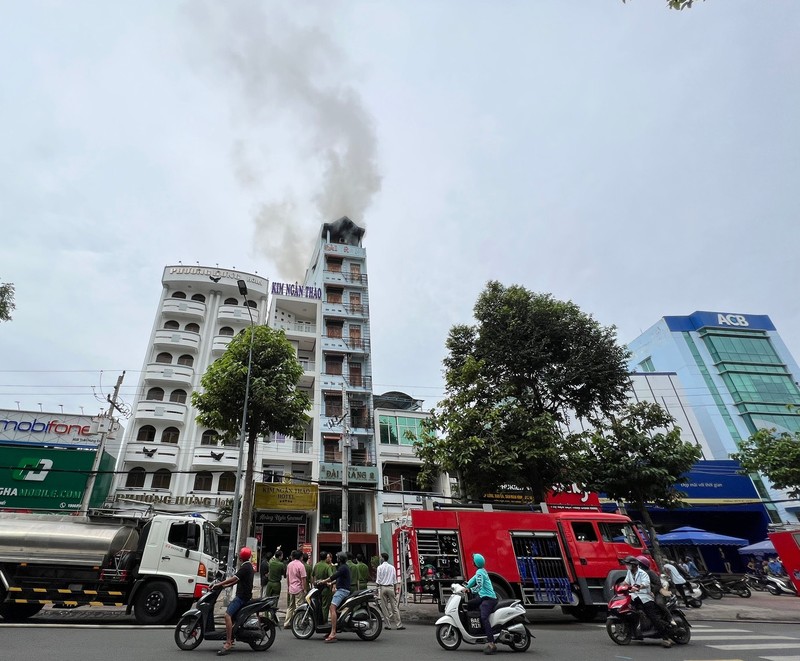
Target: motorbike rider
[342,579]
[243,580]
[638,579]
[485,599]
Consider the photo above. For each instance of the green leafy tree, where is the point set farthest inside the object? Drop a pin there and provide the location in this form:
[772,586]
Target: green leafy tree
[7,304]
[513,380]
[639,457]
[275,403]
[775,455]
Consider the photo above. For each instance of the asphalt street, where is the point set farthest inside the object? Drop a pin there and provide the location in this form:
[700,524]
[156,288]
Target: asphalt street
[563,640]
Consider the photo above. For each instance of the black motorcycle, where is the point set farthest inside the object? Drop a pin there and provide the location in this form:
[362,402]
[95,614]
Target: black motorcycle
[254,624]
[736,586]
[358,613]
[710,585]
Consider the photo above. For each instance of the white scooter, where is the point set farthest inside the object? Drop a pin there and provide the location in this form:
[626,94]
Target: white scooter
[457,624]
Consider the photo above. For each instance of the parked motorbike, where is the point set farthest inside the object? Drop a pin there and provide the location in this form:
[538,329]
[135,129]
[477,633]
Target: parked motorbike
[457,624]
[626,620]
[779,585]
[756,582]
[710,586]
[358,613]
[736,586]
[254,624]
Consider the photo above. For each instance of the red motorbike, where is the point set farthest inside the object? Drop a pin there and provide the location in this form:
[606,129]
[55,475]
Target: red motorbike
[626,619]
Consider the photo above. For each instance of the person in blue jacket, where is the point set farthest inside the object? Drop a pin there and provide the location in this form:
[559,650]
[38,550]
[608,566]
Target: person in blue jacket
[485,599]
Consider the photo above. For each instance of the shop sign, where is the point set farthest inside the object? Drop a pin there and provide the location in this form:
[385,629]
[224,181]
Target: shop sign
[297,290]
[43,478]
[355,474]
[216,273]
[281,518]
[38,429]
[280,496]
[168,499]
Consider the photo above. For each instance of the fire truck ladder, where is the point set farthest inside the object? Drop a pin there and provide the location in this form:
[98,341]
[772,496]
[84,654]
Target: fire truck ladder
[543,574]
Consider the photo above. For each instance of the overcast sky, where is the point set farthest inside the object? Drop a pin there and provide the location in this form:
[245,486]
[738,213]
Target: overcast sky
[636,160]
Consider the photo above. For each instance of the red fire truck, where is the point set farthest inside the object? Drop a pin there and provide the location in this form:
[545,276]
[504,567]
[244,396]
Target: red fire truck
[787,543]
[546,559]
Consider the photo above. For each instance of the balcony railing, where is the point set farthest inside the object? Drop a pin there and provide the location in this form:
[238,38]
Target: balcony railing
[352,381]
[296,327]
[344,275]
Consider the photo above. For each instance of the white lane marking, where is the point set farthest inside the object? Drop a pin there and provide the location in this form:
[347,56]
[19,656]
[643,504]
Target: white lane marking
[781,658]
[753,647]
[765,636]
[710,630]
[86,626]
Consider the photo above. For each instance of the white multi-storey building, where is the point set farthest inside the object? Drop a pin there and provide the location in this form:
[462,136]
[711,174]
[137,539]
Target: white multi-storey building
[171,462]
[167,460]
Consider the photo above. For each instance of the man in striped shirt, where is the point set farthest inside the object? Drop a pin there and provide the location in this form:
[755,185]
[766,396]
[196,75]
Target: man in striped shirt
[386,579]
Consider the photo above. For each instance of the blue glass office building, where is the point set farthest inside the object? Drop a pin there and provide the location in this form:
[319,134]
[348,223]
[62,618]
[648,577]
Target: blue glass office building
[737,375]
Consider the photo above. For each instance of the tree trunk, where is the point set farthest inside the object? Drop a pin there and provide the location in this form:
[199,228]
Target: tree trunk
[651,531]
[246,511]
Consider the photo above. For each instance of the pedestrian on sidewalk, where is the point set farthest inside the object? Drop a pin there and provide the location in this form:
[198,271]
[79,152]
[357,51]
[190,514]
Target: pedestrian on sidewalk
[386,578]
[295,585]
[263,571]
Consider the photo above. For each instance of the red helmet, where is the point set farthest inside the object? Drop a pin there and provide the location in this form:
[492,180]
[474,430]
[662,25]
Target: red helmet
[644,561]
[245,553]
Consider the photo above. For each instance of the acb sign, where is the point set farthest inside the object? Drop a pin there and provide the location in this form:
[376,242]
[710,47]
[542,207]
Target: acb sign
[738,320]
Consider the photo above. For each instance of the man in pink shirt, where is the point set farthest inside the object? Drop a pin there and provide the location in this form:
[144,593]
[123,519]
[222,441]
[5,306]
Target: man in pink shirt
[295,580]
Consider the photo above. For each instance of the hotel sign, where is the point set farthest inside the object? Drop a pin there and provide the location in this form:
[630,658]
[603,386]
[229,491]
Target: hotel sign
[296,290]
[355,474]
[279,496]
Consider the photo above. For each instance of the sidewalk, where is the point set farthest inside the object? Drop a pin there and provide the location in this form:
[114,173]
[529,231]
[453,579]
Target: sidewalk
[761,607]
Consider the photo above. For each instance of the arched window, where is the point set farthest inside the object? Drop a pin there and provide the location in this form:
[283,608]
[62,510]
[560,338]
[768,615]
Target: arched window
[161,479]
[171,324]
[231,301]
[209,437]
[203,480]
[164,357]
[186,360]
[192,328]
[227,482]
[147,434]
[155,395]
[135,479]
[170,435]
[178,294]
[226,330]
[178,396]
[199,298]
[251,304]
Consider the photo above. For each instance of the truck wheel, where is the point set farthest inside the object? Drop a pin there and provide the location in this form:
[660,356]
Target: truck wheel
[156,603]
[17,612]
[448,636]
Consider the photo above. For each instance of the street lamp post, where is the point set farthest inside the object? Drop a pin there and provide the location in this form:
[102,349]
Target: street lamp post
[235,523]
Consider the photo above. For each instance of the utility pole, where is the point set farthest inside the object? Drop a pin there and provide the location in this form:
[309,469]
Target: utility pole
[345,468]
[106,422]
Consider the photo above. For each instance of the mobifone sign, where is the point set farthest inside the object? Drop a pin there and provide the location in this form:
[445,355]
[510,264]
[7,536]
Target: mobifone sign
[47,429]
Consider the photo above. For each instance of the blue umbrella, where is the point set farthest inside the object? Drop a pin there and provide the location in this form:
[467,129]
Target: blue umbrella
[760,548]
[697,537]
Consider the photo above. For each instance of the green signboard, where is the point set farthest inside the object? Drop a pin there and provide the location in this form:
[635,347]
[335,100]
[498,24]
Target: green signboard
[38,479]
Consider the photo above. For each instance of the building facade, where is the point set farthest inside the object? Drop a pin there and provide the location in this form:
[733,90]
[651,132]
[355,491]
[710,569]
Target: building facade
[167,460]
[738,377]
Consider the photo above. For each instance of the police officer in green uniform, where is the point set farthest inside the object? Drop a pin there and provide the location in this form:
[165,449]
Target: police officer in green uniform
[275,572]
[363,572]
[322,571]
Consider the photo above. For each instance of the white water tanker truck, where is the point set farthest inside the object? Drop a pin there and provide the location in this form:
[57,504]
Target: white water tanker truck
[154,568]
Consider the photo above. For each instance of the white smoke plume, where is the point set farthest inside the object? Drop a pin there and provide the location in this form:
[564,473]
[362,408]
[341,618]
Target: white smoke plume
[289,76]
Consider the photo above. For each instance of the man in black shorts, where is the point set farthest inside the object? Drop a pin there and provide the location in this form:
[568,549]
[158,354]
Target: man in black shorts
[243,580]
